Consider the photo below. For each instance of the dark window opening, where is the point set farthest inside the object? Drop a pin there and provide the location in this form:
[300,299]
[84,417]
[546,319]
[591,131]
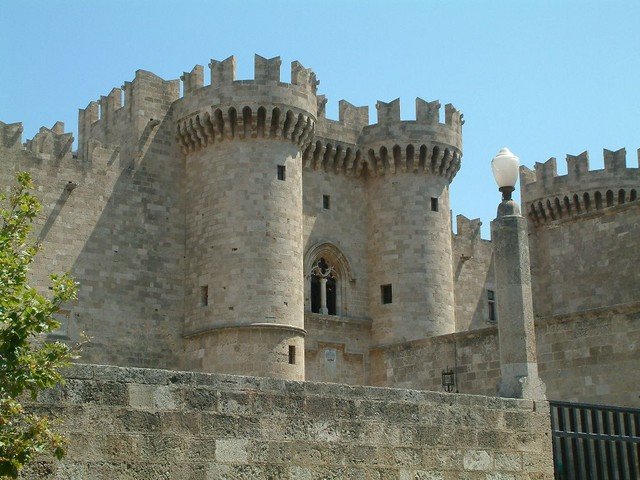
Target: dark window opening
[315,294]
[434,204]
[386,293]
[331,296]
[292,354]
[282,172]
[491,300]
[326,202]
[204,295]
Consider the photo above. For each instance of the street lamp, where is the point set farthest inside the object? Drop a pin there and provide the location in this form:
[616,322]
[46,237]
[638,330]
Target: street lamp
[448,380]
[505,170]
[516,336]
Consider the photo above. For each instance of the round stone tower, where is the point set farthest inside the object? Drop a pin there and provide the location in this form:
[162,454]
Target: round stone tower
[242,143]
[583,233]
[410,167]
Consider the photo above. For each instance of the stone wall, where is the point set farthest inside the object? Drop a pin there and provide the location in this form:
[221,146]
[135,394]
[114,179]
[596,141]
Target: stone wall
[586,262]
[337,349]
[589,357]
[583,233]
[592,356]
[473,275]
[111,222]
[341,228]
[419,364]
[153,424]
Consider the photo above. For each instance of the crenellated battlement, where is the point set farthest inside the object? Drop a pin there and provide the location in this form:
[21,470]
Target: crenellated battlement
[468,228]
[547,196]
[231,109]
[423,145]
[336,146]
[48,144]
[352,146]
[468,239]
[11,135]
[266,71]
[121,116]
[223,75]
[51,143]
[265,107]
[347,129]
[192,80]
[427,113]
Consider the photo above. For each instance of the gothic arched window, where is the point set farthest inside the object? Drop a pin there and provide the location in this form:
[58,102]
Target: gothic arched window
[323,288]
[328,280]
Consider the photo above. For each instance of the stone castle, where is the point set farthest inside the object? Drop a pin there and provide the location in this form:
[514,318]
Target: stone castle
[233,228]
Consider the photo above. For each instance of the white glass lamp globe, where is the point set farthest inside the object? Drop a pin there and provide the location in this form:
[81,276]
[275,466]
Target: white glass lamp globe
[505,169]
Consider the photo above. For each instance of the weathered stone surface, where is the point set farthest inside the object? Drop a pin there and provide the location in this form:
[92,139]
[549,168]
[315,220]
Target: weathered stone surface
[286,430]
[171,192]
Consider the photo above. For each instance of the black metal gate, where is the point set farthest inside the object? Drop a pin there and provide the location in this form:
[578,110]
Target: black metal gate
[598,442]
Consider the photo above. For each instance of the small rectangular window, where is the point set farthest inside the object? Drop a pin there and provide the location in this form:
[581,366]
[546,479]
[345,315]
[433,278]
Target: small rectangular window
[491,301]
[326,202]
[434,204]
[292,354]
[204,295]
[386,293]
[282,172]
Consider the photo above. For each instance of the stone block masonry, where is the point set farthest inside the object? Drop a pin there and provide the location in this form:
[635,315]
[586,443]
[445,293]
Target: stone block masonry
[194,214]
[129,423]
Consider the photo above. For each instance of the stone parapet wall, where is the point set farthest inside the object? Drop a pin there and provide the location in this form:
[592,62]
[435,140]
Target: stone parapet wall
[589,357]
[474,356]
[149,424]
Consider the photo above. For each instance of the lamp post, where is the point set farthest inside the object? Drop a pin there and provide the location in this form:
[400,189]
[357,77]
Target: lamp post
[516,335]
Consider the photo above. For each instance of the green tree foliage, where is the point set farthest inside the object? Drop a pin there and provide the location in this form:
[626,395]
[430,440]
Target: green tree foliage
[27,365]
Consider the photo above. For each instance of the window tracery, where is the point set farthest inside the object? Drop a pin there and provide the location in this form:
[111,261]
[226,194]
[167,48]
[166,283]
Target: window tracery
[323,288]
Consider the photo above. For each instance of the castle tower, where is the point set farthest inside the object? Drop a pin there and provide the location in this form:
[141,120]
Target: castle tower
[410,167]
[583,234]
[242,145]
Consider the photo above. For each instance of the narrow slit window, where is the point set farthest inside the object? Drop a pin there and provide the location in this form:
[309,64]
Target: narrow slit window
[204,295]
[386,294]
[282,172]
[292,354]
[326,202]
[491,302]
[434,204]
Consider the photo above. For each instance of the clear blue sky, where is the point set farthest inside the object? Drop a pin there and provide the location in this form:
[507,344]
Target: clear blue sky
[544,78]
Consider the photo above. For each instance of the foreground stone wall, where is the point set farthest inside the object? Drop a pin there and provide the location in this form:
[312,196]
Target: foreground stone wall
[152,424]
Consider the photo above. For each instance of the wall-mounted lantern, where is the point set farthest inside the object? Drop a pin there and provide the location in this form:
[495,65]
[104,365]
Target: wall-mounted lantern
[448,380]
